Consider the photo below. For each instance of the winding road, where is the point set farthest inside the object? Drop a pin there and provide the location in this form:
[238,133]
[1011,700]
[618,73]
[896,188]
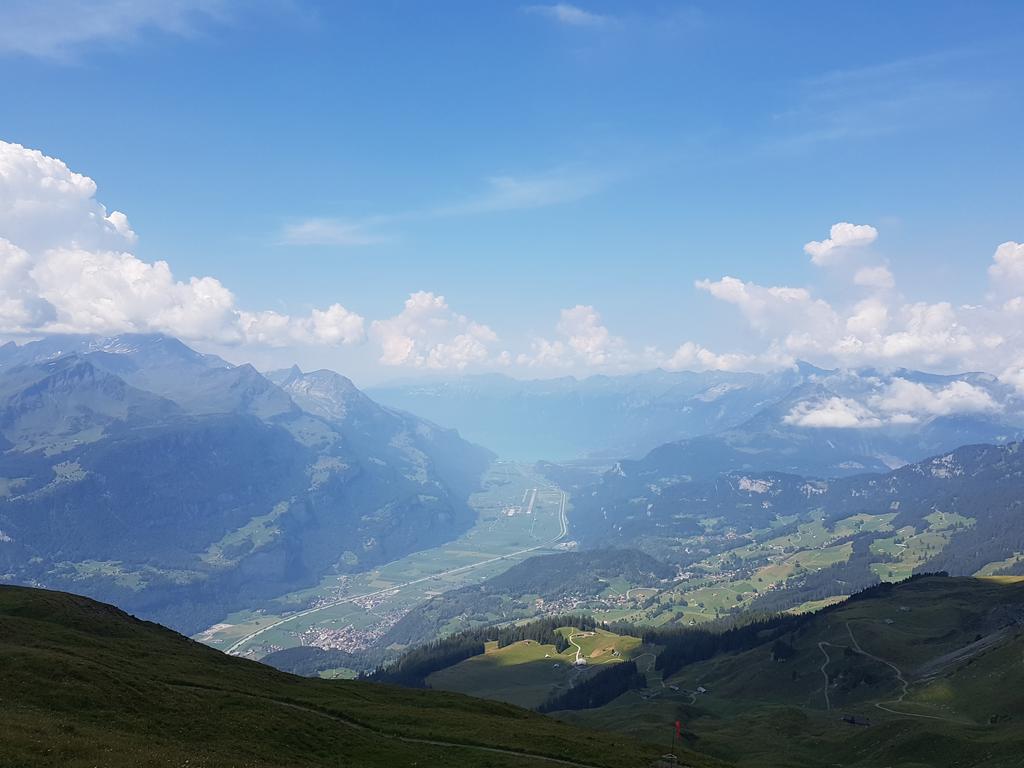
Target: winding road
[904,685]
[574,645]
[563,531]
[824,664]
[899,676]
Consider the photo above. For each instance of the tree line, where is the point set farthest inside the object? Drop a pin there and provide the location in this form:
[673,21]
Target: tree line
[597,690]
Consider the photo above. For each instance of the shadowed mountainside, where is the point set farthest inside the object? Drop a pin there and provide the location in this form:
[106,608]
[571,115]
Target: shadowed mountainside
[181,487]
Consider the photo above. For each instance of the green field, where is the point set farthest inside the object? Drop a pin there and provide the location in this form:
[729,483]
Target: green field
[257,531]
[992,568]
[527,673]
[766,559]
[912,548]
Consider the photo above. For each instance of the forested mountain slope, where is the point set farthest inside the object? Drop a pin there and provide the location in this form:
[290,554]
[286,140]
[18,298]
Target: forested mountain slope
[181,487]
[978,487]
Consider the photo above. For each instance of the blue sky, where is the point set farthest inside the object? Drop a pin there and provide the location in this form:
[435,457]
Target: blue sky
[528,160]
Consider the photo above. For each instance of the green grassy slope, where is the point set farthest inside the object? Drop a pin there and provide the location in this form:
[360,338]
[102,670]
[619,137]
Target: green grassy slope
[936,666]
[83,684]
[527,673]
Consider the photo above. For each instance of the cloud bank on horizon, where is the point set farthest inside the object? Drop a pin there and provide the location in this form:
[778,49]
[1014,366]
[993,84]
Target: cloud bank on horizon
[67,266]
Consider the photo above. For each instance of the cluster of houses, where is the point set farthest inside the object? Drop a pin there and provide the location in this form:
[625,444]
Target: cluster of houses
[347,638]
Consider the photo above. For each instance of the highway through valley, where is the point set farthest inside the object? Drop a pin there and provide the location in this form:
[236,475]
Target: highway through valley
[562,533]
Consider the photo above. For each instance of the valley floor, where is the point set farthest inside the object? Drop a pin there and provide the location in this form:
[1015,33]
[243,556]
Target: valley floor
[520,514]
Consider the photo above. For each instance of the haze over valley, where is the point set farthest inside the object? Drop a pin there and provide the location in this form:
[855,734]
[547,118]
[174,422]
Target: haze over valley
[593,384]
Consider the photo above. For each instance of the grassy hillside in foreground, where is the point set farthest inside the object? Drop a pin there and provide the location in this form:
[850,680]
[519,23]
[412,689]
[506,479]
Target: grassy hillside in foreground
[932,670]
[84,684]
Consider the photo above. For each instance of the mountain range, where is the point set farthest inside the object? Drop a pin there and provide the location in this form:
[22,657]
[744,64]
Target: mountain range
[182,487]
[979,481]
[801,419]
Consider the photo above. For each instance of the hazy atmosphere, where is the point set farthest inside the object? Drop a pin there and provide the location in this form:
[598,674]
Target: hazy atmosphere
[505,384]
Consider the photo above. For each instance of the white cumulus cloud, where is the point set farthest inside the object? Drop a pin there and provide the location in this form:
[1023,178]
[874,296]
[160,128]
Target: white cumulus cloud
[1008,265]
[691,356]
[331,326]
[66,266]
[885,328]
[582,339]
[842,237]
[913,399]
[900,401]
[427,333]
[587,336]
[774,308]
[874,277]
[833,412]
[44,204]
